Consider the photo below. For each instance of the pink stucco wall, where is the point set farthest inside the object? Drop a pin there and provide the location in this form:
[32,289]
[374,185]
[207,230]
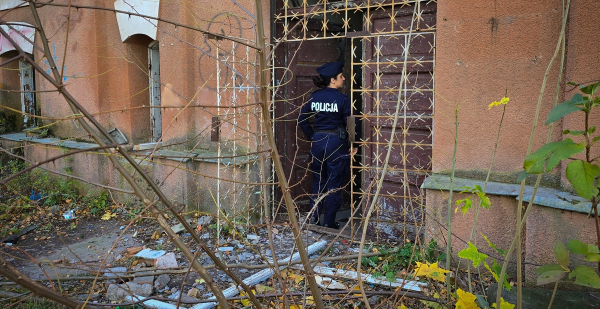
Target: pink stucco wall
[483,50]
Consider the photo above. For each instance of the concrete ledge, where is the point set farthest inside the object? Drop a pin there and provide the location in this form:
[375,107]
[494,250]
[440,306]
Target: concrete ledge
[555,216]
[179,156]
[22,137]
[544,196]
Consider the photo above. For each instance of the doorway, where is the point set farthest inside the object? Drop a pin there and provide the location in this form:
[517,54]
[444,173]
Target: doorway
[390,57]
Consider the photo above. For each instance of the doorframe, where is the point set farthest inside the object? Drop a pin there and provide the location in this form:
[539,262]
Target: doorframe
[155,91]
[26,72]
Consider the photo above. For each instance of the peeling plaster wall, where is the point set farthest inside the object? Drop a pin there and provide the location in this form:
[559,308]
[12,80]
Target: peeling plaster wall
[9,75]
[108,76]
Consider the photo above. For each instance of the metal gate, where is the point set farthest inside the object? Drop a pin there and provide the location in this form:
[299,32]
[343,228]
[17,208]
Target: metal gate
[390,57]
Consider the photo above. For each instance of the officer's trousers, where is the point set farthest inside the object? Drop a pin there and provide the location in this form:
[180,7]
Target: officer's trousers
[329,164]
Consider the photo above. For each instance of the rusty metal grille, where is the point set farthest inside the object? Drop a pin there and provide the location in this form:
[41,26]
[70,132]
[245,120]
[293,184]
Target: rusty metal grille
[390,60]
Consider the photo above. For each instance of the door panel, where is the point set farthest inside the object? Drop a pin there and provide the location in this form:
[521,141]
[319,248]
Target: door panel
[385,70]
[28,106]
[302,59]
[154,73]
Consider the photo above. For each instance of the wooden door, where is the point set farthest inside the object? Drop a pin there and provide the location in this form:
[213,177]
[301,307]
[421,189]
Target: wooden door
[301,58]
[400,201]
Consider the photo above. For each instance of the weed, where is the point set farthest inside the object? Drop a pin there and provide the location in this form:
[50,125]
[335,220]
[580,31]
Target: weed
[54,190]
[99,203]
[398,258]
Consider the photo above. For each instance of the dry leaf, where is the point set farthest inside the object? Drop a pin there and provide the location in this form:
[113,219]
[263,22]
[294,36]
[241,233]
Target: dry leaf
[309,301]
[296,278]
[263,288]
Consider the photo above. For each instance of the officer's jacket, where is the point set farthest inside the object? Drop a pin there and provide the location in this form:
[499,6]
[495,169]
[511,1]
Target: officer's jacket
[331,109]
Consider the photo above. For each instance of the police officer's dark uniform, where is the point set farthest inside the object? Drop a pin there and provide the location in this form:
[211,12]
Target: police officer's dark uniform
[330,150]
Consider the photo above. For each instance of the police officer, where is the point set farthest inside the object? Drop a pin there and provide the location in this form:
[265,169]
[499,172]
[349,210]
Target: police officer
[329,151]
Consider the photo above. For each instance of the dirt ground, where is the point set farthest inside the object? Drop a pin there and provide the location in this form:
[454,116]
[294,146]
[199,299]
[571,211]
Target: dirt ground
[75,249]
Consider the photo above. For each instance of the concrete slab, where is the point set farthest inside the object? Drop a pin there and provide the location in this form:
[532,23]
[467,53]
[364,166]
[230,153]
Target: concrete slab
[93,249]
[538,298]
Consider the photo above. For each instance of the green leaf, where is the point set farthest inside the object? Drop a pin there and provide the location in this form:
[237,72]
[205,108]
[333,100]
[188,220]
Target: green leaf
[582,176]
[586,276]
[574,133]
[550,276]
[546,268]
[592,129]
[590,89]
[565,108]
[485,201]
[550,155]
[472,254]
[466,205]
[561,254]
[481,302]
[502,252]
[577,247]
[522,175]
[592,257]
[495,269]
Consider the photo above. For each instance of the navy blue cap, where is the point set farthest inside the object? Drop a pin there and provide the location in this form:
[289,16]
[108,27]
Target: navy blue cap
[331,69]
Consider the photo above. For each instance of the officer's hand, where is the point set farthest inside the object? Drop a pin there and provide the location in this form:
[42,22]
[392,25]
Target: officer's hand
[354,151]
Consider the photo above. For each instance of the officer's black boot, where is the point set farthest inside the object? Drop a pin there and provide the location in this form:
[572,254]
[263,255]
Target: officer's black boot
[335,225]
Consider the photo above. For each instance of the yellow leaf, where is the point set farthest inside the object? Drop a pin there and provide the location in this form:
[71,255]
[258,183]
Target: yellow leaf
[402,307]
[295,307]
[431,270]
[309,300]
[106,216]
[504,304]
[200,281]
[245,302]
[297,278]
[503,101]
[357,288]
[466,300]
